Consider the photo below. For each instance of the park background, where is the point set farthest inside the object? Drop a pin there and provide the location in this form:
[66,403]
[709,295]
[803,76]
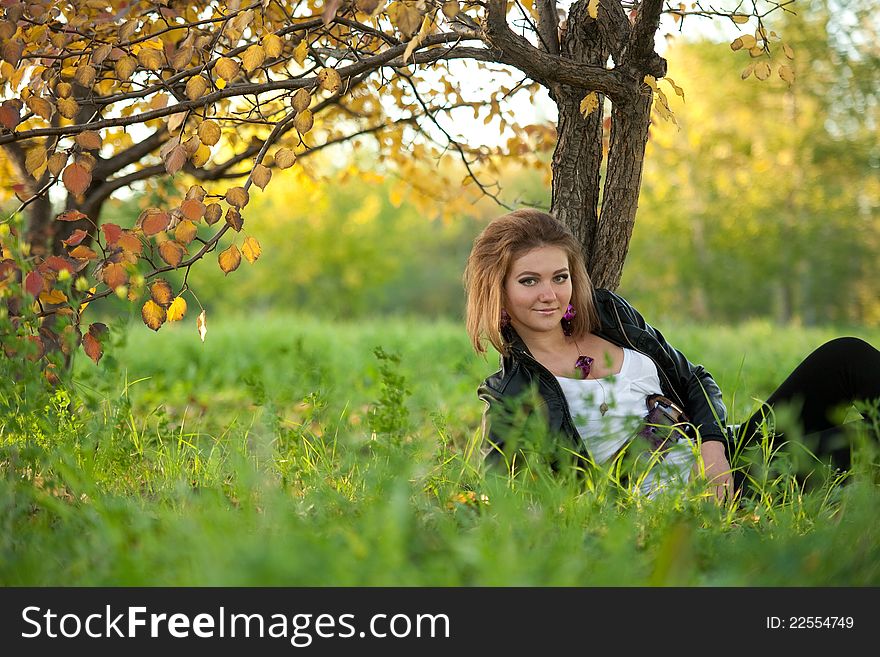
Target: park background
[323,432]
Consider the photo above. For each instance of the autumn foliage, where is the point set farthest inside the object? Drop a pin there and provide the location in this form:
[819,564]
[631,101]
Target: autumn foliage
[222,97]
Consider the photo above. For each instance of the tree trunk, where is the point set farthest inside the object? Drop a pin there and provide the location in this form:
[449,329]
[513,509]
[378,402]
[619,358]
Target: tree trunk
[620,200]
[603,218]
[577,159]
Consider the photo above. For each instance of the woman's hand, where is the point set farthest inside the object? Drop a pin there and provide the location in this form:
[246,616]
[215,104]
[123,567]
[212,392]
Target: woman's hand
[717,469]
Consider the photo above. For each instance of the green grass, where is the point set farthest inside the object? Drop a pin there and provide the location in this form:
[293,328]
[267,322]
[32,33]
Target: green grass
[290,451]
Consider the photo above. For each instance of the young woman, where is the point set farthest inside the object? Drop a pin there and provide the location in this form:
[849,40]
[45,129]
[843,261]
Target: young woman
[604,377]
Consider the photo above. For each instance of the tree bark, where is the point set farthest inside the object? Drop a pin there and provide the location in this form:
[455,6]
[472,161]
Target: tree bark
[577,159]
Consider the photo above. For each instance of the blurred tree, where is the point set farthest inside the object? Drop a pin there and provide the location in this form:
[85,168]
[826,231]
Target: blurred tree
[767,203]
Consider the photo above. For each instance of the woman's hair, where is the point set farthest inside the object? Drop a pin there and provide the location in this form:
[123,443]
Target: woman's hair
[505,239]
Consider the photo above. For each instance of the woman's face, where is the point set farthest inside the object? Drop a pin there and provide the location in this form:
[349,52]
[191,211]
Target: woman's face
[537,290]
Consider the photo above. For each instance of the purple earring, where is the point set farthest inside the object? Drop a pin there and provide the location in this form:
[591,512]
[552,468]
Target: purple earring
[505,319]
[570,312]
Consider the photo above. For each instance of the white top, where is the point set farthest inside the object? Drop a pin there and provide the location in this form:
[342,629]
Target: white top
[625,394]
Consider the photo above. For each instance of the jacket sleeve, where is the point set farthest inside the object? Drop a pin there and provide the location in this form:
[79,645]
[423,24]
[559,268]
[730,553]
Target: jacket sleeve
[700,392]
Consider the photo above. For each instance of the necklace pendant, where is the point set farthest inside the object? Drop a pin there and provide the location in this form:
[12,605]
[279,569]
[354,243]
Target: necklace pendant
[603,408]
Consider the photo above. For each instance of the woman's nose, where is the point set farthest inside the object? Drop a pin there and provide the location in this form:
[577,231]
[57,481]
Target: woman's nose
[546,293]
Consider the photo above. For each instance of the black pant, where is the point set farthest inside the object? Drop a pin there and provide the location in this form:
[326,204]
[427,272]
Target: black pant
[838,373]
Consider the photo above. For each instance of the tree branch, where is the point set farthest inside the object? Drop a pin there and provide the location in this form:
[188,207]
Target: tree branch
[549,69]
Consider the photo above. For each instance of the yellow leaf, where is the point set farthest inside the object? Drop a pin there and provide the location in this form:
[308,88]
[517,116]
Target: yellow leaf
[762,70]
[202,325]
[329,79]
[35,159]
[53,296]
[451,9]
[153,315]
[748,41]
[196,87]
[185,231]
[301,100]
[593,9]
[201,156]
[747,71]
[251,249]
[40,106]
[237,197]
[589,103]
[67,107]
[736,44]
[85,75]
[177,309]
[226,68]
[57,162]
[150,58]
[261,176]
[301,51]
[125,66]
[273,45]
[740,18]
[785,49]
[786,73]
[182,58]
[284,158]
[89,140]
[678,90]
[303,122]
[253,57]
[229,259]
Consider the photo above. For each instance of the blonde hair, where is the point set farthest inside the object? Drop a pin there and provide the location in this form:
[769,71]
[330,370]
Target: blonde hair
[505,239]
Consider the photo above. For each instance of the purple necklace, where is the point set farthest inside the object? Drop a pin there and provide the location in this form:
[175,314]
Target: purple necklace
[585,364]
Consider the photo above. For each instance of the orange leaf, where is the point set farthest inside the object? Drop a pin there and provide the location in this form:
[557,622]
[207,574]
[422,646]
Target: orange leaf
[76,237]
[160,292]
[230,259]
[76,178]
[111,233]
[71,215]
[153,220]
[92,347]
[192,209]
[57,263]
[172,252]
[129,242]
[114,275]
[83,253]
[153,315]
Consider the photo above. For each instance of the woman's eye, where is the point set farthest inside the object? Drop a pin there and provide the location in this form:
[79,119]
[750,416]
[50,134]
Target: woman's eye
[527,281]
[562,278]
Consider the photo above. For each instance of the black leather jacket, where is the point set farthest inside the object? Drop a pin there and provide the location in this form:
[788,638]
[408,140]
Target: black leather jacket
[689,385]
